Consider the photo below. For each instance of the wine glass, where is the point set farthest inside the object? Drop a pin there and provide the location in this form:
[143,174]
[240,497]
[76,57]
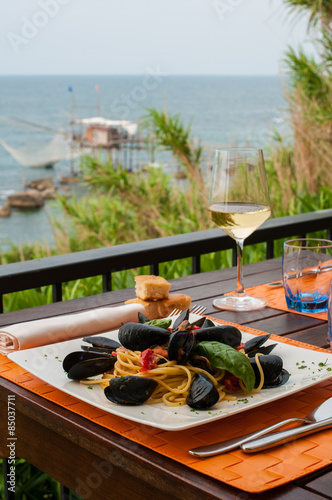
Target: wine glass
[239,203]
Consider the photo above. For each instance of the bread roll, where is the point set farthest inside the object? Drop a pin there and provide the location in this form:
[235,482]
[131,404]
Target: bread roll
[150,287]
[174,301]
[151,307]
[155,309]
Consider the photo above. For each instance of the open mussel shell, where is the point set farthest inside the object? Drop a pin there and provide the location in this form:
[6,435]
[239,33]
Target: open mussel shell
[207,323]
[199,322]
[130,390]
[142,318]
[82,364]
[262,350]
[202,393]
[254,345]
[98,350]
[226,334]
[180,346]
[201,362]
[138,336]
[274,373]
[184,316]
[255,342]
[101,342]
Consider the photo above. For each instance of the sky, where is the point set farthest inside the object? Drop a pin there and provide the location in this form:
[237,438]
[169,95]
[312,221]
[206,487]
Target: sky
[190,37]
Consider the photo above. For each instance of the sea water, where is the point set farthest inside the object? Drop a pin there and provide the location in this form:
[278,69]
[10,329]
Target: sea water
[222,110]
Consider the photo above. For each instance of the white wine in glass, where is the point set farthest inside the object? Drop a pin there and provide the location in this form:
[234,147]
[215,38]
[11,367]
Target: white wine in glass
[239,203]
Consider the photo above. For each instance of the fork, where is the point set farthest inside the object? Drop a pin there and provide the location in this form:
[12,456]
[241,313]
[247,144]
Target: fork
[197,309]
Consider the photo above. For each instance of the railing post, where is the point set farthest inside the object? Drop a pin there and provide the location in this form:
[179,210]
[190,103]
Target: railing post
[107,282]
[64,492]
[57,292]
[154,269]
[196,264]
[270,249]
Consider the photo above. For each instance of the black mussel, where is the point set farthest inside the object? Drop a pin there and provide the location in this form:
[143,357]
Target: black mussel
[186,325]
[254,346]
[184,316]
[199,322]
[255,342]
[207,323]
[180,346]
[142,319]
[130,390]
[97,341]
[202,393]
[201,362]
[100,350]
[261,350]
[75,357]
[274,373]
[226,334]
[82,364]
[138,336]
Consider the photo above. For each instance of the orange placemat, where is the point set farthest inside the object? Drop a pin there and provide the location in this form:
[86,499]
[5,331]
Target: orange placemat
[276,299]
[248,472]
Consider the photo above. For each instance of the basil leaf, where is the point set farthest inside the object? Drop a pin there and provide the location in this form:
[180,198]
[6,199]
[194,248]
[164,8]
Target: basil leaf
[162,323]
[225,357]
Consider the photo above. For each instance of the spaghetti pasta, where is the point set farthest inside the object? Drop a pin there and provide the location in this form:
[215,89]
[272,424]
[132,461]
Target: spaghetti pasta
[174,380]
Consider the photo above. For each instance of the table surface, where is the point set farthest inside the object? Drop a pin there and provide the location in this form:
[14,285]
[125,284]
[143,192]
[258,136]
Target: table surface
[98,463]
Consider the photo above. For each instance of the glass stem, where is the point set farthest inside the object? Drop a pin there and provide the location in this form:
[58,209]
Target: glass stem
[239,262]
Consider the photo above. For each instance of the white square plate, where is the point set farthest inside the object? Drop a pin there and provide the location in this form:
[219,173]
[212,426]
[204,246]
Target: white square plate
[303,365]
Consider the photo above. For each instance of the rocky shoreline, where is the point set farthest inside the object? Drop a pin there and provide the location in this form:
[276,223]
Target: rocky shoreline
[38,190]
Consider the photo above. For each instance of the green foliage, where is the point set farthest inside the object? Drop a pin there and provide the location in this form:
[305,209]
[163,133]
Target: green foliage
[126,207]
[168,133]
[320,10]
[31,484]
[310,97]
[310,75]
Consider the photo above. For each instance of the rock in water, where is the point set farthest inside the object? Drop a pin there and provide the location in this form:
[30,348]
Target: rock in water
[41,184]
[5,210]
[26,199]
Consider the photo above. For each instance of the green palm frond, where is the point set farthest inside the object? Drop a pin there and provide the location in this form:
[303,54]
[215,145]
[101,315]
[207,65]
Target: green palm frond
[306,72]
[168,132]
[320,10]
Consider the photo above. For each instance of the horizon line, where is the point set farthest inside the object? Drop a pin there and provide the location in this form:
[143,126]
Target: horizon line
[135,74]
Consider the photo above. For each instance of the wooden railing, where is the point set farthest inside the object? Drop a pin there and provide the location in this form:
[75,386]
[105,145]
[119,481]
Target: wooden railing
[105,261]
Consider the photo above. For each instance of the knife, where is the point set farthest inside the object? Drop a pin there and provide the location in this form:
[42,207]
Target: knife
[284,436]
[232,444]
[319,414]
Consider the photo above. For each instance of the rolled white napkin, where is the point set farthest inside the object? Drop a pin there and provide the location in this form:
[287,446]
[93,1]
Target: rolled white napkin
[60,328]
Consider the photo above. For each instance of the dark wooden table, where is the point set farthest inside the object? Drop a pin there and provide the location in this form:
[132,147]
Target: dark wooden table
[100,464]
